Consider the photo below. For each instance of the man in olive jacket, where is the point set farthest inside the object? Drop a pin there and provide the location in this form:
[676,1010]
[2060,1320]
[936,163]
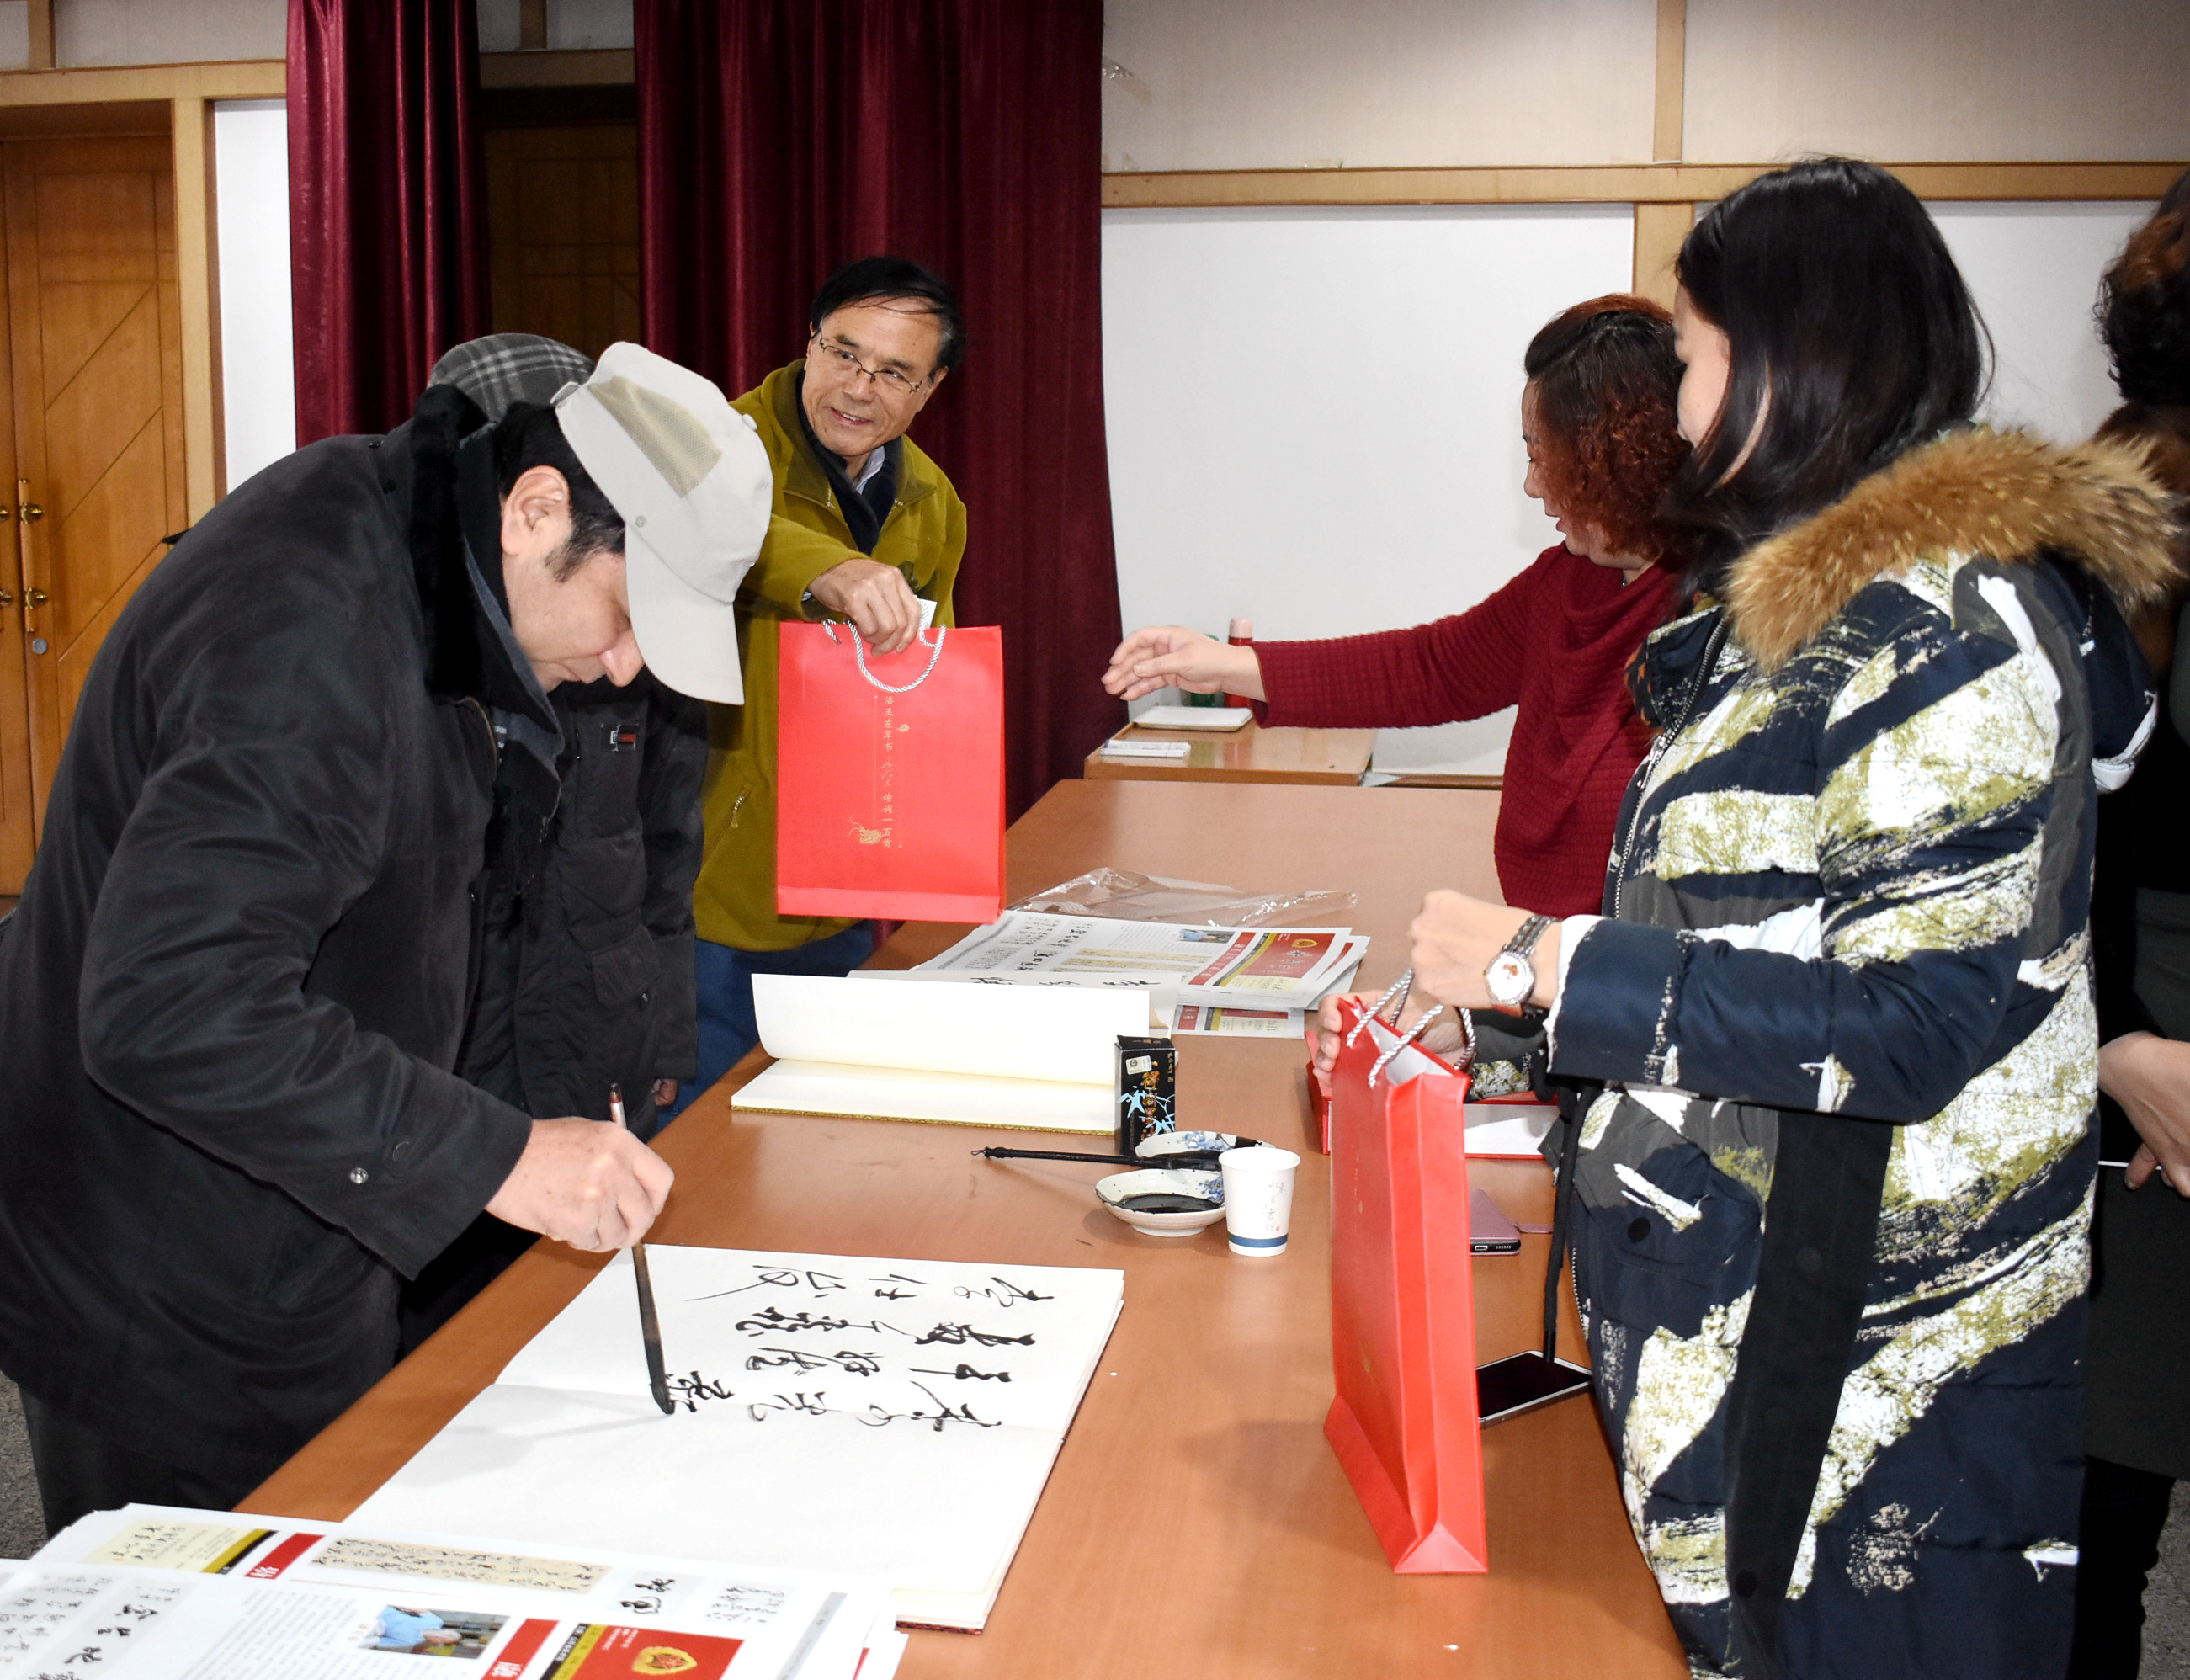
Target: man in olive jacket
[231,996]
[867,527]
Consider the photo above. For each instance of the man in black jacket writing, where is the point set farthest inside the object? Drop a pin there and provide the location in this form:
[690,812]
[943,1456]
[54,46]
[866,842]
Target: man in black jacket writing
[234,987]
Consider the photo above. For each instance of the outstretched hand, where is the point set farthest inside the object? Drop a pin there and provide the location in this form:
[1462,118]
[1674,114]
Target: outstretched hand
[1445,1037]
[586,1183]
[1171,656]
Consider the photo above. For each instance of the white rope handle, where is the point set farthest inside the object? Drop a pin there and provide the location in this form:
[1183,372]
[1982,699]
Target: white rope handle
[859,653]
[1398,990]
[1396,998]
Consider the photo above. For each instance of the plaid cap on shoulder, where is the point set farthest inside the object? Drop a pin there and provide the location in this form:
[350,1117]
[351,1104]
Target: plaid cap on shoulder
[504,368]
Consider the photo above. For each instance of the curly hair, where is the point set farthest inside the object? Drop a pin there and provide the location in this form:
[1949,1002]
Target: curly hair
[2144,306]
[1606,380]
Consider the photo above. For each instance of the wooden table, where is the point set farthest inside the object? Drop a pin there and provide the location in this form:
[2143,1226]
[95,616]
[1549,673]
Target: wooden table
[1320,758]
[1196,1523]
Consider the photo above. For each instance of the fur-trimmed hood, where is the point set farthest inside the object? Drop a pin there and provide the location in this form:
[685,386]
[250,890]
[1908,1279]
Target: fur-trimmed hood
[2006,494]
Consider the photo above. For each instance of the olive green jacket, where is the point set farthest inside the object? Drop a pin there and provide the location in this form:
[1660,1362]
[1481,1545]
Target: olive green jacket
[924,536]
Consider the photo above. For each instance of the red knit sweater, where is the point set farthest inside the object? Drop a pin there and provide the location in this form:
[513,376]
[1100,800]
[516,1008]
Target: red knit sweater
[1555,642]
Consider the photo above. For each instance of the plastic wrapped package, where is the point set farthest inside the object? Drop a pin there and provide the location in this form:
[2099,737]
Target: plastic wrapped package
[1125,895]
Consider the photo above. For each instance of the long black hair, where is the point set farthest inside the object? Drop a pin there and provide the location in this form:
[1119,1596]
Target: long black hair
[1853,337]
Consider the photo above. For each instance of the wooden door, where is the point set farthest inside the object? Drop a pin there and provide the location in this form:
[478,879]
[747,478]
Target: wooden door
[95,342]
[563,232]
[18,826]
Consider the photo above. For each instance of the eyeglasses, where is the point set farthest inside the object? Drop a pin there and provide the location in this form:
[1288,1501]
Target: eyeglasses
[890,382]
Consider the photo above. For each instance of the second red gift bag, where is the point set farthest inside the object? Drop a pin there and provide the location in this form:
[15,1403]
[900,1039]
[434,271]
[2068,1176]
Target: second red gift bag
[1406,1424]
[890,775]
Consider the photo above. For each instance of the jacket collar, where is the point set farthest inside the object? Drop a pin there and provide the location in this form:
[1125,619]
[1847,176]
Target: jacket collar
[1672,661]
[2007,494]
[806,478]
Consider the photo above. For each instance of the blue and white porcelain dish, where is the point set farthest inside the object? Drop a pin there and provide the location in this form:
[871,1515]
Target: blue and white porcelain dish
[1154,1147]
[1163,1202]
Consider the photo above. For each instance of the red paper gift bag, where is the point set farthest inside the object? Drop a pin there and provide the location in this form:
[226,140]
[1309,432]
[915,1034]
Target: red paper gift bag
[1406,1424]
[890,776]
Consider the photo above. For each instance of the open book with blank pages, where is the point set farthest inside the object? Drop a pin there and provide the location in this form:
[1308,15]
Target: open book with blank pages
[1040,1058]
[888,1417]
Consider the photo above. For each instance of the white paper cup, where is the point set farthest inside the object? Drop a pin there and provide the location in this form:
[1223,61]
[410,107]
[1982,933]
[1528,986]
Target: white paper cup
[1258,1197]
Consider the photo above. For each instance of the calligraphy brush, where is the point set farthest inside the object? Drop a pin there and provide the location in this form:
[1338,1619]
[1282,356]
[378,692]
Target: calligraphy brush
[657,1373]
[1197,1159]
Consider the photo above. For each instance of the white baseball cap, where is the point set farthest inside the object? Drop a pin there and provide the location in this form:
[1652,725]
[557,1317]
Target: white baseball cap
[692,482]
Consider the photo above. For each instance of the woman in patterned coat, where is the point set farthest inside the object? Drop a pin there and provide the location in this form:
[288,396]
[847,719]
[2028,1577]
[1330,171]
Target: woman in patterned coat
[1831,1240]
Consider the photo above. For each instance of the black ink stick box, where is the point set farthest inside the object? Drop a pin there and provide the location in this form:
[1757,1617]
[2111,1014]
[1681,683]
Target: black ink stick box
[1147,1090]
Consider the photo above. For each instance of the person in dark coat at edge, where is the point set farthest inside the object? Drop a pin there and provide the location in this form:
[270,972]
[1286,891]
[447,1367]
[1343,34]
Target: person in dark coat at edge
[585,956]
[235,984]
[1830,1197]
[2137,1367]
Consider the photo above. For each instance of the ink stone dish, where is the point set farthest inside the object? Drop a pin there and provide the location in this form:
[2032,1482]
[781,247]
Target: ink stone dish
[1164,1203]
[1153,1148]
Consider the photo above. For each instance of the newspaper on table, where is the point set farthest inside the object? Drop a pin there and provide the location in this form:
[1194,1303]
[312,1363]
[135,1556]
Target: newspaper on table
[159,1593]
[1213,1020]
[1263,970]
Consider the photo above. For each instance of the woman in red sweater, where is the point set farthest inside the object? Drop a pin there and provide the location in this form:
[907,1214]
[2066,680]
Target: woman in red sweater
[1596,415]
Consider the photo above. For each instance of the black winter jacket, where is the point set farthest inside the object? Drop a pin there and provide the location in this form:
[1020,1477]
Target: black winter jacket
[235,988]
[586,976]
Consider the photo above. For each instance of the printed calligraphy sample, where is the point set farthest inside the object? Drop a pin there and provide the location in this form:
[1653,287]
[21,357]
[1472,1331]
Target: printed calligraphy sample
[441,1563]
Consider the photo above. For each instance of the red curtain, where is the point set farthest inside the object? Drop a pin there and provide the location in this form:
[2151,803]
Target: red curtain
[778,140]
[387,257]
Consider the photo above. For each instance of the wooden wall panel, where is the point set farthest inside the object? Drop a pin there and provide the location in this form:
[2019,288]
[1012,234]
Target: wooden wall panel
[1638,184]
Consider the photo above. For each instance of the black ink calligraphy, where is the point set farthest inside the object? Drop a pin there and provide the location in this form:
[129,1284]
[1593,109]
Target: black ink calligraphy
[1005,1294]
[958,1334]
[852,1364]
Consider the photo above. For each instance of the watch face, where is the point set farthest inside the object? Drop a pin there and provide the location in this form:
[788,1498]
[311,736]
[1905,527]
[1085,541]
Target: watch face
[1510,977]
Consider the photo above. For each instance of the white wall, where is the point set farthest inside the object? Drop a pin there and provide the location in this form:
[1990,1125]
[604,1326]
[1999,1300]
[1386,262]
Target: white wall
[1314,415]
[167,31]
[1291,84]
[577,24]
[14,34]
[2035,271]
[1913,81]
[251,197]
[572,25]
[500,26]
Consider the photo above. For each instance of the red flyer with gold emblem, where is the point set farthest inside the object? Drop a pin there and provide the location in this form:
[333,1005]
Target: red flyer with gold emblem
[596,1652]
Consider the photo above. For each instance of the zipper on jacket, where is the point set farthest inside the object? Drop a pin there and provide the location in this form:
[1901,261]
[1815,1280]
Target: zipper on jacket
[1635,820]
[475,944]
[736,803]
[1708,668]
[493,743]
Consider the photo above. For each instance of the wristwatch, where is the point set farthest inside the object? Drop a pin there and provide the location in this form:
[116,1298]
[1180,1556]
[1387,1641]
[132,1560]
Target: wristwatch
[1511,976]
